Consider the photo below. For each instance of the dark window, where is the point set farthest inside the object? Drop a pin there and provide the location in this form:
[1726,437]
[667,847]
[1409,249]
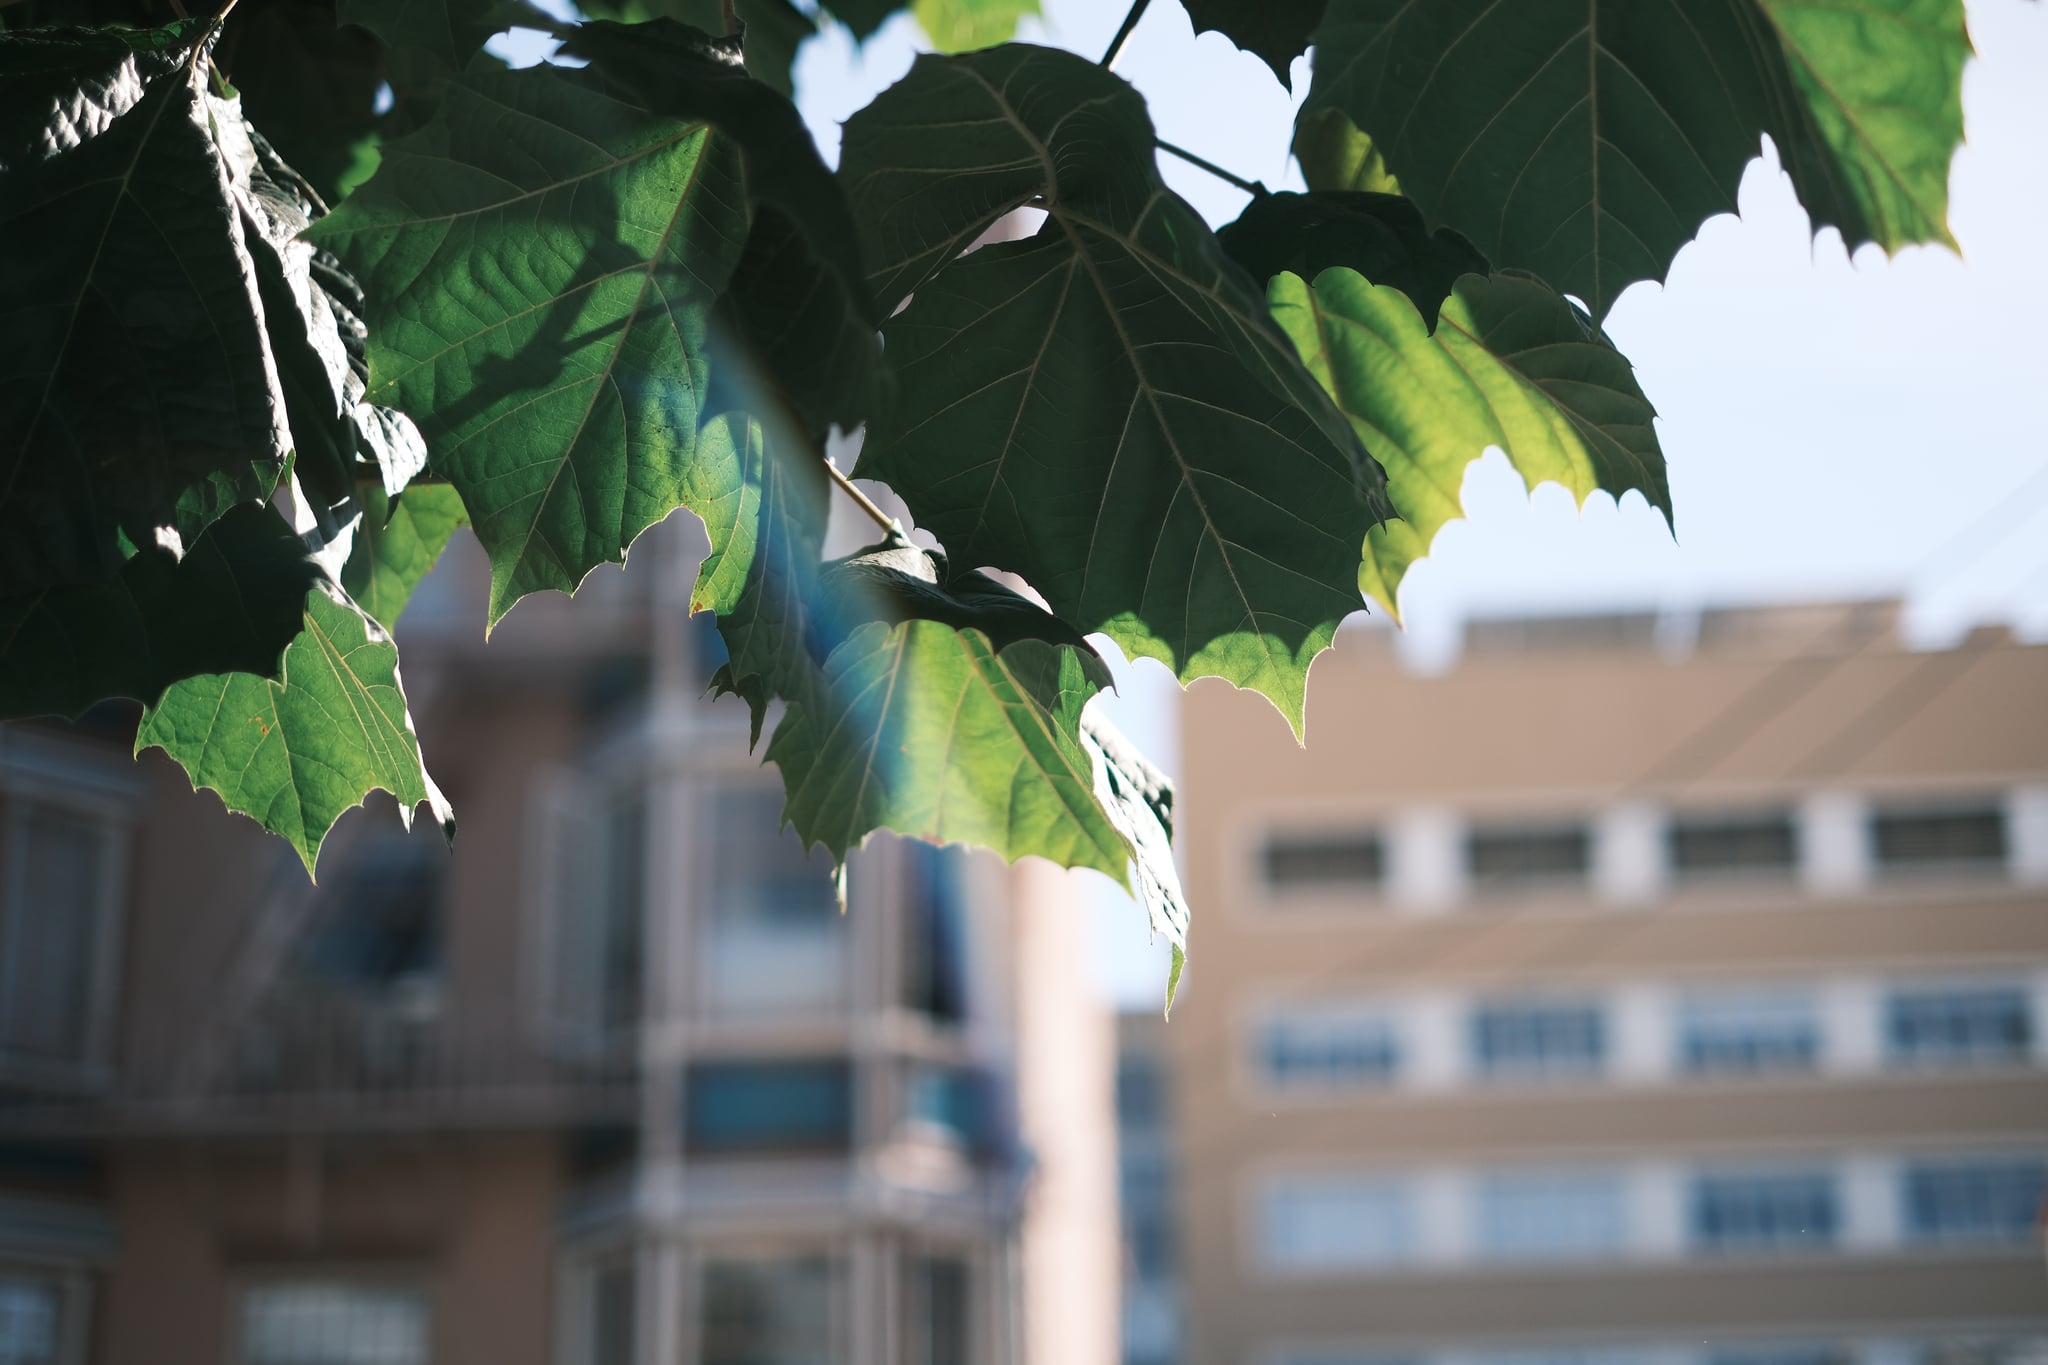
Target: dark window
[380,928]
[1146,1181]
[1960,839]
[321,1322]
[769,1106]
[1748,1034]
[774,941]
[1512,859]
[1539,1040]
[1296,862]
[1140,1092]
[1336,1049]
[949,1098]
[1760,1213]
[50,922]
[769,1312]
[1817,1353]
[1979,1202]
[1984,1024]
[935,949]
[1704,848]
[935,1311]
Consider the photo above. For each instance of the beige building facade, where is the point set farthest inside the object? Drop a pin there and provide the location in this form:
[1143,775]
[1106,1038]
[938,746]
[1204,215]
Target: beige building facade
[1639,991]
[615,1084]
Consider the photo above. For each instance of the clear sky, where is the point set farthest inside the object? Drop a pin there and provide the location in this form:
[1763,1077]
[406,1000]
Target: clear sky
[1834,426]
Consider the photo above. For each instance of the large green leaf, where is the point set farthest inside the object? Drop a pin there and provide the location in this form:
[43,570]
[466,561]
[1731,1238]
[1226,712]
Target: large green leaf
[937,728]
[449,31]
[541,262]
[397,544]
[963,25]
[1511,364]
[1106,407]
[296,753]
[231,604]
[137,388]
[1587,140]
[1381,236]
[1276,31]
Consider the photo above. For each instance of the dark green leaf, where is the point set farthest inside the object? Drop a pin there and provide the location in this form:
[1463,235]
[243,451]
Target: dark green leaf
[448,31]
[774,29]
[1105,408]
[310,85]
[1139,802]
[930,729]
[230,605]
[1511,364]
[1588,142]
[1381,236]
[296,753]
[963,25]
[541,262]
[863,17]
[396,544]
[137,391]
[1276,31]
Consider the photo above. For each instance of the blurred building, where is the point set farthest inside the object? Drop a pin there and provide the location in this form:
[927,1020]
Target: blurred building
[1639,992]
[1152,1305]
[616,1084]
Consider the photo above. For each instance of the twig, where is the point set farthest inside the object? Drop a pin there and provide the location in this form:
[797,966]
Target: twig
[213,27]
[1123,33]
[1251,187]
[730,19]
[860,499]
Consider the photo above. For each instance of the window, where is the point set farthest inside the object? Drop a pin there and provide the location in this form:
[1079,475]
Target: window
[58,908]
[1747,1034]
[769,1312]
[1975,1203]
[1140,1093]
[775,942]
[333,1322]
[935,1311]
[593,945]
[1550,1216]
[1331,1048]
[1539,1040]
[1797,1353]
[1715,848]
[380,928]
[1959,1025]
[1298,862]
[31,1319]
[1311,1224]
[1957,839]
[935,970]
[1146,1185]
[950,1100]
[1527,859]
[769,1106]
[1785,1211]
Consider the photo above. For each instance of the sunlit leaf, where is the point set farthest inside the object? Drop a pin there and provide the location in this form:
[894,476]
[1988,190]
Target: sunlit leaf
[397,544]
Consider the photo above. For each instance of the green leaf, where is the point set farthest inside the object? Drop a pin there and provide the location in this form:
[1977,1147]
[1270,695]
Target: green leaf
[448,31]
[1381,236]
[1334,155]
[311,86]
[1589,141]
[1105,408]
[541,262]
[934,729]
[396,544]
[296,753]
[139,394]
[232,604]
[1511,364]
[963,25]
[795,307]
[774,29]
[1275,31]
[1139,802]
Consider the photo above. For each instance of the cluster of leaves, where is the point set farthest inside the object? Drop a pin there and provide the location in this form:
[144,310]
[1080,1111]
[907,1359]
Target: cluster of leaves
[572,299]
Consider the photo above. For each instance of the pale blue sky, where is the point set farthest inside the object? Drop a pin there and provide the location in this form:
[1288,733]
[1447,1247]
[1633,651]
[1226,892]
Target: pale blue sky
[1833,425]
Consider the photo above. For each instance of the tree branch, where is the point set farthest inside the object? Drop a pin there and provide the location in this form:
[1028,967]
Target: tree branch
[1251,187]
[860,499]
[1123,33]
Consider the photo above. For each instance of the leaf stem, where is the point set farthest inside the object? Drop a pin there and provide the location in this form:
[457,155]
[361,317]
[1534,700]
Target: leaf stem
[1123,33]
[213,27]
[728,17]
[860,499]
[1251,187]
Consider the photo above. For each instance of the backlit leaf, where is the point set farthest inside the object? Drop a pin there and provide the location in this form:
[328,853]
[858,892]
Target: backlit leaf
[294,754]
[1381,236]
[963,25]
[397,544]
[1511,364]
[1139,802]
[1276,31]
